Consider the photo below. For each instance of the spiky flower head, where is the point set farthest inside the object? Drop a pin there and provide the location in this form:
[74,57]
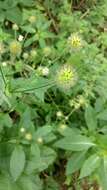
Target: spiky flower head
[15,48]
[74,42]
[66,77]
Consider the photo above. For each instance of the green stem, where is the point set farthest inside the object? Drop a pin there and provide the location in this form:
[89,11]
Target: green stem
[2,74]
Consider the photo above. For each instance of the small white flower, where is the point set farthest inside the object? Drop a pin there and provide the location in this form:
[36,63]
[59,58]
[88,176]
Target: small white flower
[59,114]
[25,55]
[28,136]
[45,71]
[20,38]
[15,27]
[40,140]
[22,130]
[4,64]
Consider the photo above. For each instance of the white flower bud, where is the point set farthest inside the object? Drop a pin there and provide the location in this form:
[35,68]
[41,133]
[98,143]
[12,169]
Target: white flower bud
[45,71]
[59,114]
[15,27]
[28,136]
[20,38]
[40,140]
[4,64]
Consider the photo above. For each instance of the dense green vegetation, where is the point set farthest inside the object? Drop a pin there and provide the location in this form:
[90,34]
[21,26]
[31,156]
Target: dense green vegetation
[53,95]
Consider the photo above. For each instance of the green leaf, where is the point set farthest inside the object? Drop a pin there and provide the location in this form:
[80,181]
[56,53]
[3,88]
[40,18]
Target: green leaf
[75,143]
[102,115]
[17,162]
[7,184]
[90,118]
[5,120]
[90,165]
[43,131]
[75,162]
[14,15]
[103,173]
[28,183]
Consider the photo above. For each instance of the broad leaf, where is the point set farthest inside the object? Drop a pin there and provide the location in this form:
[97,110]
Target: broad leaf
[17,162]
[102,115]
[90,165]
[75,162]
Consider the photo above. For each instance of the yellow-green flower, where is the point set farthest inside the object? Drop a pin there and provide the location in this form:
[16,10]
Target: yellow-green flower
[66,77]
[15,48]
[47,51]
[32,19]
[74,42]
[28,136]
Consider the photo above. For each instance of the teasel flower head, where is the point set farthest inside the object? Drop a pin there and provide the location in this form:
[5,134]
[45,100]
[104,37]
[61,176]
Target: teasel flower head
[66,77]
[15,48]
[74,42]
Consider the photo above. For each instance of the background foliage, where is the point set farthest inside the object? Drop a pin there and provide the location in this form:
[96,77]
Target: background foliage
[52,137]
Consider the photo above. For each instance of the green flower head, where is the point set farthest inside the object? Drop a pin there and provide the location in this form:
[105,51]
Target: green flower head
[74,42]
[66,77]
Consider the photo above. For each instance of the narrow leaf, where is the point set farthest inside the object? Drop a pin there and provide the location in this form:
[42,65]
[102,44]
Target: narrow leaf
[75,143]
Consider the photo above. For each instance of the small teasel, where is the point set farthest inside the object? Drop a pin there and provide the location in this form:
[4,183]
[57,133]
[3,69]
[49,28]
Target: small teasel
[66,77]
[74,42]
[15,48]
